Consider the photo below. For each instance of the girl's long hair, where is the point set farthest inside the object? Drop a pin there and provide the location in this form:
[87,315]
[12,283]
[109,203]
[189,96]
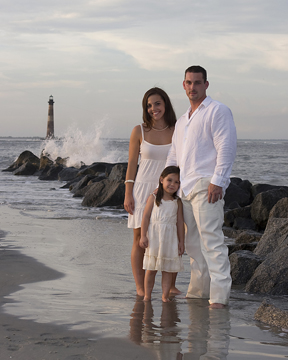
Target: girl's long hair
[169,115]
[160,193]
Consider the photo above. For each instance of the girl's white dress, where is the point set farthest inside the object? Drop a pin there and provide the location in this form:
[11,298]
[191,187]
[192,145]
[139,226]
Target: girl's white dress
[162,251]
[152,163]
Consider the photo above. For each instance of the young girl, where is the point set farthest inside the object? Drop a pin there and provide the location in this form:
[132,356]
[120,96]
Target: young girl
[162,233]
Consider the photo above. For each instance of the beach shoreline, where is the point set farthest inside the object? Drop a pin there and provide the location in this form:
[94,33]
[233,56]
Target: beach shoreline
[181,330]
[27,339]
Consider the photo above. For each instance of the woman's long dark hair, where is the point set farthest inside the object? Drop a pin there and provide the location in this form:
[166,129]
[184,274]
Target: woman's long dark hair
[169,115]
[160,193]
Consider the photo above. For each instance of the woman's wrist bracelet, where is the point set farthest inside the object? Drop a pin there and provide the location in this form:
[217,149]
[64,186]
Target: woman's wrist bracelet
[129,181]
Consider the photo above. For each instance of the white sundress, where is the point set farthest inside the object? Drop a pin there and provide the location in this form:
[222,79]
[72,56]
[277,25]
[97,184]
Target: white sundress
[162,251]
[152,163]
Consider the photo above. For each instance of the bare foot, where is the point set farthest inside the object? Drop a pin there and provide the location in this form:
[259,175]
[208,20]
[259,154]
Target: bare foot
[165,300]
[217,306]
[175,291]
[140,292]
[146,298]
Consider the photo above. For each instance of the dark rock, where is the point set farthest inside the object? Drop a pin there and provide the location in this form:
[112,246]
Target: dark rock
[24,157]
[263,203]
[243,264]
[69,185]
[61,161]
[246,186]
[280,209]
[243,223]
[273,315]
[247,237]
[271,276]
[275,236]
[260,188]
[97,168]
[230,232]
[236,193]
[118,172]
[75,186]
[26,169]
[99,177]
[68,174]
[236,180]
[233,205]
[51,173]
[45,162]
[231,215]
[237,247]
[105,193]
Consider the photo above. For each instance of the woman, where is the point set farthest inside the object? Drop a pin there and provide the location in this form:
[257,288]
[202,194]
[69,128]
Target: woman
[152,141]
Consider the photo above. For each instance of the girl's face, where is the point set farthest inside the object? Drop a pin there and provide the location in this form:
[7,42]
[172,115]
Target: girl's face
[156,107]
[170,183]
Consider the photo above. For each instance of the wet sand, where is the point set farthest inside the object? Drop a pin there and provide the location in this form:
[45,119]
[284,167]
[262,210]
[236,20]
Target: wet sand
[35,324]
[26,339]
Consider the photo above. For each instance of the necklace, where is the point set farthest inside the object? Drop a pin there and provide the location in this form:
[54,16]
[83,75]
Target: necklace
[160,129]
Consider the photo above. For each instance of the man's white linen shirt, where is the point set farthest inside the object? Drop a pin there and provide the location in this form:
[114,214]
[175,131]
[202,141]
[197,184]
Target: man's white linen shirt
[204,145]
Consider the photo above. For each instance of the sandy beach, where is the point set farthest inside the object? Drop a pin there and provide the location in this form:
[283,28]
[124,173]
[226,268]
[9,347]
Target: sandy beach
[67,292]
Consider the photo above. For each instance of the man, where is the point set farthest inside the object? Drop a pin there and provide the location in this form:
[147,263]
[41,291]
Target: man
[204,147]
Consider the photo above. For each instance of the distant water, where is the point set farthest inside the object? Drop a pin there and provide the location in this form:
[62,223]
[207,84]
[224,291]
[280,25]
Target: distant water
[260,161]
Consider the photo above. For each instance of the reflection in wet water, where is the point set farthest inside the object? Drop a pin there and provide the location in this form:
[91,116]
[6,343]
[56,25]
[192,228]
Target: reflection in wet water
[209,330]
[207,337]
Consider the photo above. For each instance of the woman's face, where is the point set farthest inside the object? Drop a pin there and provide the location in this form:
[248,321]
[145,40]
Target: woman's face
[156,107]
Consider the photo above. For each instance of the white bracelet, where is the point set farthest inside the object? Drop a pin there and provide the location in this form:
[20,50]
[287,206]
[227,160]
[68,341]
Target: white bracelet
[129,181]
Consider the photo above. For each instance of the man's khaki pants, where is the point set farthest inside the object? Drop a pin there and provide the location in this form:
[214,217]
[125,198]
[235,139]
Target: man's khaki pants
[210,266]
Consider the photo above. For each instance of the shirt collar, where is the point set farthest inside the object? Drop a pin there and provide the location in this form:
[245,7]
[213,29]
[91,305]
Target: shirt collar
[204,103]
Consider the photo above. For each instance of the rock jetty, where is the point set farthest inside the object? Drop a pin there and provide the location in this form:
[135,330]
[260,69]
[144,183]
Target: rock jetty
[255,221]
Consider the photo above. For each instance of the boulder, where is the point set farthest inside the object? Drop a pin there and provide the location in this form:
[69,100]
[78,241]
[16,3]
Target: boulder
[260,188]
[263,203]
[243,223]
[271,276]
[243,264]
[273,314]
[235,193]
[118,172]
[51,173]
[231,215]
[68,174]
[230,232]
[248,236]
[26,169]
[24,158]
[280,209]
[274,237]
[97,168]
[45,162]
[105,193]
[75,186]
[237,247]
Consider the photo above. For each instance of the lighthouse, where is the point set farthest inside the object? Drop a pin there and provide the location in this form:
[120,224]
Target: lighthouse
[50,122]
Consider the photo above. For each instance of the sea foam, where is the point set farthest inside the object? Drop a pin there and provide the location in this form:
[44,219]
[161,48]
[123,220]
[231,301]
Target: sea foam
[80,147]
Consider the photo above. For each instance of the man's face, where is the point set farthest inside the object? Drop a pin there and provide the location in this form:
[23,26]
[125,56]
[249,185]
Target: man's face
[195,87]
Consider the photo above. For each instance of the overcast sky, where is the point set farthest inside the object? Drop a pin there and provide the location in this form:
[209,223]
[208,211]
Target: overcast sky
[98,58]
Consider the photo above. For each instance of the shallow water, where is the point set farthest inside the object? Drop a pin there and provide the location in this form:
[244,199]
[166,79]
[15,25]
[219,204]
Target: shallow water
[96,293]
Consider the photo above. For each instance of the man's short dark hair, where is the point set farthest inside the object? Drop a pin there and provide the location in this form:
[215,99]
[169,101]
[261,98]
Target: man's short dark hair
[197,69]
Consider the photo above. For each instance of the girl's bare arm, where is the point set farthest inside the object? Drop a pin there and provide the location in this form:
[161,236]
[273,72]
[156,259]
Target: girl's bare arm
[145,221]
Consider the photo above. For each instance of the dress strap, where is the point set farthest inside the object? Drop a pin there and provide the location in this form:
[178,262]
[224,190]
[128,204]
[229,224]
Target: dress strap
[142,132]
